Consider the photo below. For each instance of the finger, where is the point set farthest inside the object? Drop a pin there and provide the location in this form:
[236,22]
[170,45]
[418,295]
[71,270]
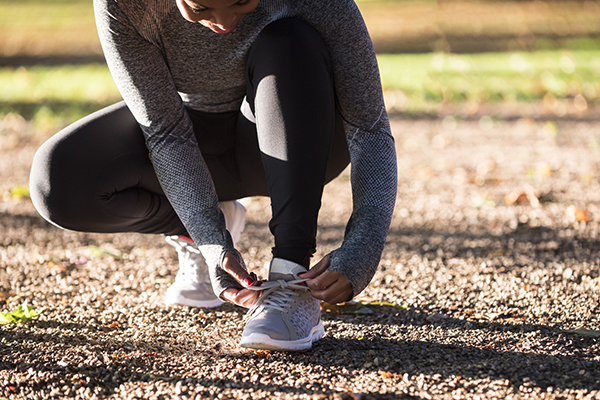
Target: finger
[317,269]
[233,267]
[331,287]
[245,297]
[323,281]
[338,292]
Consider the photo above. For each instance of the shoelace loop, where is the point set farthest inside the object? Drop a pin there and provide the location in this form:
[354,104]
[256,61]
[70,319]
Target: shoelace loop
[187,253]
[277,294]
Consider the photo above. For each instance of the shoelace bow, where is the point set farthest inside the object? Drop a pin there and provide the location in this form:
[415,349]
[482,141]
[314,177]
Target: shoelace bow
[277,294]
[188,252]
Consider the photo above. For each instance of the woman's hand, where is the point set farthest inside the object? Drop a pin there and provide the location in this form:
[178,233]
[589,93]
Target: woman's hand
[329,286]
[245,297]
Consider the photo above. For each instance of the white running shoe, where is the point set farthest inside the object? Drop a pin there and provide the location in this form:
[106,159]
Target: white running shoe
[286,316]
[235,218]
[192,283]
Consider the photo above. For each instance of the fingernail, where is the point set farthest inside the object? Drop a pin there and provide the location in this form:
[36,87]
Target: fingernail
[248,281]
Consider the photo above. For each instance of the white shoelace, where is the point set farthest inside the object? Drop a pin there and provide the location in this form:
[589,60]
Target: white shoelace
[277,294]
[188,256]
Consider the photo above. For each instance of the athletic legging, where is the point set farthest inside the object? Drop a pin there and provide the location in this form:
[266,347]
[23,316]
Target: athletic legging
[99,165]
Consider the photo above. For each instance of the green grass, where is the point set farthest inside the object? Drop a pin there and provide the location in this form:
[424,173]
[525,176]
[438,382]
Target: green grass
[431,79]
[54,96]
[66,83]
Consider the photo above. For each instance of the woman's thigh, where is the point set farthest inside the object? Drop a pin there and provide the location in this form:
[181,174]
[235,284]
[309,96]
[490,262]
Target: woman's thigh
[237,169]
[249,162]
[95,175]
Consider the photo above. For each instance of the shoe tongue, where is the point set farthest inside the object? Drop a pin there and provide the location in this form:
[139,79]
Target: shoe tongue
[286,270]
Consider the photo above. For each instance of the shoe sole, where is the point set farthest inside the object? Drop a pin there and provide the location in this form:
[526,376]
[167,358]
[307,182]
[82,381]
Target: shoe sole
[261,341]
[173,300]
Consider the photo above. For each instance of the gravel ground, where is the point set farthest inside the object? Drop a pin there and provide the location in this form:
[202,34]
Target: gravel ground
[487,299]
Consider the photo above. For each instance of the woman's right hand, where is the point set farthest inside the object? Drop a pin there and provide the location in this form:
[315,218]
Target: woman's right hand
[245,297]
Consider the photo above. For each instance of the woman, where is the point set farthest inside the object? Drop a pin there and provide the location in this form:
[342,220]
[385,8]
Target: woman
[225,99]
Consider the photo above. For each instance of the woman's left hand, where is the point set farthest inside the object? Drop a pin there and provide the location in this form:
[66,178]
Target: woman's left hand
[329,286]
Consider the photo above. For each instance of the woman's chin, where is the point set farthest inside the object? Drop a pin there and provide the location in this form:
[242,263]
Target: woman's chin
[216,29]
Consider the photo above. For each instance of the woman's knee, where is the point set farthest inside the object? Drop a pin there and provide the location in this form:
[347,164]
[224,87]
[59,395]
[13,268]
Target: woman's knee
[49,169]
[66,168]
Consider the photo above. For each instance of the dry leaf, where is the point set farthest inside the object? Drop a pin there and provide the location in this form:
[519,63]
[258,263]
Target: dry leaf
[387,374]
[577,214]
[385,303]
[352,396]
[60,267]
[263,353]
[492,316]
[6,294]
[437,317]
[114,325]
[581,331]
[524,195]
[544,170]
[350,307]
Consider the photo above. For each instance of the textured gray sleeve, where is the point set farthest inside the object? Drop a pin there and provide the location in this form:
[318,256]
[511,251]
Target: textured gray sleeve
[143,78]
[370,142]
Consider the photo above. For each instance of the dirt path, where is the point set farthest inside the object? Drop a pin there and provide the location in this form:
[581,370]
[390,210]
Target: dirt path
[493,296]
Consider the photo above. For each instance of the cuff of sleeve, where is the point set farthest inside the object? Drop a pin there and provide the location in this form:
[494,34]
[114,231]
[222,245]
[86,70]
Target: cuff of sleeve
[219,278]
[214,241]
[358,257]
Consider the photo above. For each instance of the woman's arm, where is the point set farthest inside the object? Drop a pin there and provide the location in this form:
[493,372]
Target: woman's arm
[143,78]
[370,142]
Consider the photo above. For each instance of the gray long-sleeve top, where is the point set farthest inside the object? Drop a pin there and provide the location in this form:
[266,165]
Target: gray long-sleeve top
[162,63]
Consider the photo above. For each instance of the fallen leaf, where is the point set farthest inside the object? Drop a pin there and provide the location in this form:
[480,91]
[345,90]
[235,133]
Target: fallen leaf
[437,317]
[385,303]
[114,325]
[483,201]
[263,353]
[550,127]
[581,331]
[350,307]
[19,191]
[577,214]
[492,316]
[96,251]
[544,170]
[80,261]
[386,374]
[161,377]
[352,396]
[587,177]
[526,194]
[60,267]
[6,294]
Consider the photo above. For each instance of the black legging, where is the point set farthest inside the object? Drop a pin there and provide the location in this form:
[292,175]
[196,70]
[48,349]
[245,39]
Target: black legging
[96,176]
